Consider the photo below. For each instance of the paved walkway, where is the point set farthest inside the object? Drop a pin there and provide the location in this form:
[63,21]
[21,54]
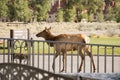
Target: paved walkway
[72,63]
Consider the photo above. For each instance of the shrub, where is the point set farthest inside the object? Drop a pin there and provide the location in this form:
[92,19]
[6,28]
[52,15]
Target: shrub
[85,16]
[59,15]
[100,17]
[91,17]
[69,15]
[110,14]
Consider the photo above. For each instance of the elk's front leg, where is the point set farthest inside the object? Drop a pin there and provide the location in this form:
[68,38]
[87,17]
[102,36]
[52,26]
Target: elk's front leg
[64,61]
[53,65]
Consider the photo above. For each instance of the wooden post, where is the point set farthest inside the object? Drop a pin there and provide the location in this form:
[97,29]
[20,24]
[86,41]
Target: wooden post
[11,33]
[11,36]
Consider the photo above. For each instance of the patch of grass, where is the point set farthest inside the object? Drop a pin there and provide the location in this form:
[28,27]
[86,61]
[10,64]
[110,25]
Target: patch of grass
[106,50]
[109,40]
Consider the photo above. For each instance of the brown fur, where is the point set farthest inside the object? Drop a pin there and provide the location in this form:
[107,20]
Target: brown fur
[62,47]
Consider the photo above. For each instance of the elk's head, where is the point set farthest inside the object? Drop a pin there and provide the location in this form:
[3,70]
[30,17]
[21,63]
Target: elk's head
[45,33]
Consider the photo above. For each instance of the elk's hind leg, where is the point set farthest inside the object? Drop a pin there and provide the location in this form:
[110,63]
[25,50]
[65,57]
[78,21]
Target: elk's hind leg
[91,57]
[82,60]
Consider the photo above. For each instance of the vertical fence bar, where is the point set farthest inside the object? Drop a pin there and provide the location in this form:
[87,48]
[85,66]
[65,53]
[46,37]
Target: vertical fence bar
[71,58]
[43,55]
[20,47]
[3,54]
[12,50]
[54,54]
[29,52]
[66,57]
[90,59]
[78,54]
[98,59]
[49,56]
[8,45]
[112,59]
[33,53]
[60,59]
[84,59]
[105,60]
[38,49]
[3,50]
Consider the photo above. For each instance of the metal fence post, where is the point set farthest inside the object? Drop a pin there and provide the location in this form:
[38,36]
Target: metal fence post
[29,52]
[113,59]
[8,45]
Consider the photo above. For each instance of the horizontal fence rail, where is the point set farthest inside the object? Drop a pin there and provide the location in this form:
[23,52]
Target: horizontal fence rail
[40,54]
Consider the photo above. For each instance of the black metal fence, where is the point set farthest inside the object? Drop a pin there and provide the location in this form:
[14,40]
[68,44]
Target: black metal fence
[40,55]
[11,71]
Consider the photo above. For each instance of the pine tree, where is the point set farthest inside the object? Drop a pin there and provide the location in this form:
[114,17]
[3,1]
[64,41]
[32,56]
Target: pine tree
[59,15]
[91,17]
[3,9]
[79,7]
[22,10]
[69,15]
[100,16]
[99,12]
[110,16]
[19,10]
[69,10]
[40,9]
[117,10]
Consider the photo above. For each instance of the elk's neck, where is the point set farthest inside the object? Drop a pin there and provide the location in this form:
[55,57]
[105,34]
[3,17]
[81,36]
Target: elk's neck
[50,37]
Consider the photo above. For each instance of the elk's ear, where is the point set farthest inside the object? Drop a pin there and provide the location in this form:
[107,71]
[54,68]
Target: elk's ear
[45,28]
[49,28]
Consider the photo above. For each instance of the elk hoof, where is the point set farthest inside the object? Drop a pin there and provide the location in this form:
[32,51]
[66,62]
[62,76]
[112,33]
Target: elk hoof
[62,70]
[94,70]
[79,70]
[53,68]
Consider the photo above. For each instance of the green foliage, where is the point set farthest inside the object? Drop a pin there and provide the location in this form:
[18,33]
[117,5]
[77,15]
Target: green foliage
[24,10]
[92,7]
[85,16]
[91,17]
[19,10]
[69,15]
[41,8]
[113,12]
[100,17]
[110,15]
[117,16]
[59,15]
[3,8]
[69,10]
[73,10]
[78,17]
